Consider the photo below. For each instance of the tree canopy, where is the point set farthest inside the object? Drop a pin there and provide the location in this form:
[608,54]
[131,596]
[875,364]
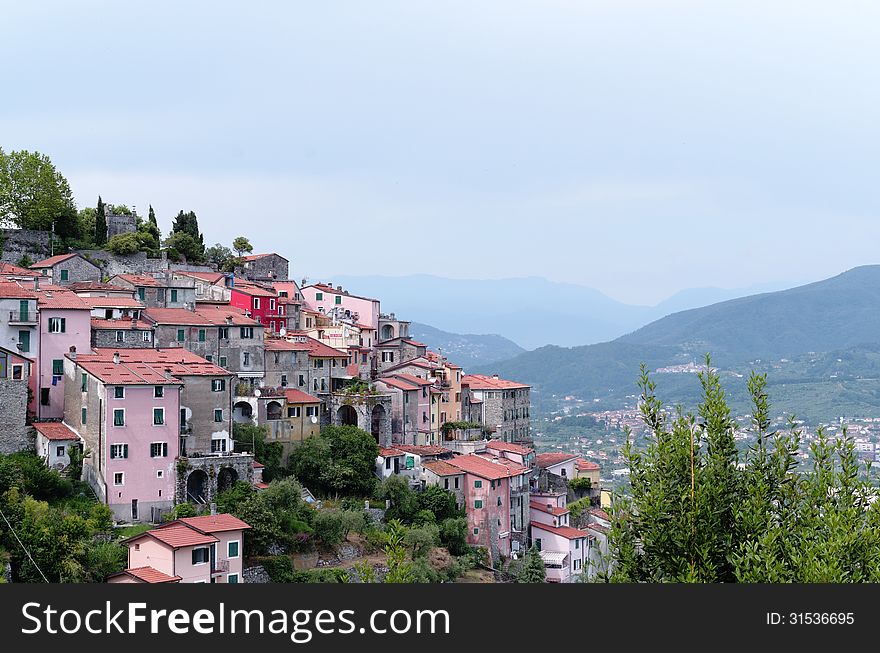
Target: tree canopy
[34,195]
[341,460]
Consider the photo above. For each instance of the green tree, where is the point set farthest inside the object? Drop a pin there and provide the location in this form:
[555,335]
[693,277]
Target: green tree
[123,244]
[220,256]
[341,460]
[149,235]
[185,237]
[248,437]
[34,195]
[532,570]
[242,245]
[453,535]
[118,209]
[440,502]
[404,502]
[100,223]
[329,526]
[25,261]
[422,539]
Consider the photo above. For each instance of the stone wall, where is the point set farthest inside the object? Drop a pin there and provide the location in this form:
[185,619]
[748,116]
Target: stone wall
[134,338]
[137,263]
[120,224]
[211,473]
[15,243]
[15,435]
[255,574]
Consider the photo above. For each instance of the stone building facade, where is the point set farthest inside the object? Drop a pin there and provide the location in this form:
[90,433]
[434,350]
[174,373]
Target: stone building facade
[120,224]
[15,435]
[265,267]
[369,412]
[65,269]
[16,243]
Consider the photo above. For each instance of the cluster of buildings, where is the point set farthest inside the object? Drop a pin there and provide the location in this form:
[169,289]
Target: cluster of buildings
[145,373]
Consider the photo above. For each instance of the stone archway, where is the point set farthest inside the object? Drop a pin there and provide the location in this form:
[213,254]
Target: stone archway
[387,332]
[197,487]
[347,416]
[273,410]
[226,479]
[242,413]
[377,418]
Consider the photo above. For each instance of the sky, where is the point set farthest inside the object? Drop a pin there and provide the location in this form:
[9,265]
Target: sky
[636,147]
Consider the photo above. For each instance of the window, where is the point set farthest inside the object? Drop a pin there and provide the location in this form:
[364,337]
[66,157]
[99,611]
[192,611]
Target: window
[146,336]
[476,531]
[388,463]
[120,336]
[456,482]
[84,386]
[283,380]
[181,335]
[319,363]
[200,555]
[119,417]
[577,544]
[319,297]
[158,391]
[59,451]
[232,549]
[445,483]
[387,356]
[218,414]
[24,339]
[294,411]
[57,324]
[223,333]
[302,380]
[158,450]
[246,359]
[218,385]
[338,299]
[478,483]
[232,579]
[158,416]
[119,392]
[159,474]
[499,501]
[201,335]
[271,304]
[247,332]
[218,445]
[256,303]
[142,294]
[311,411]
[119,478]
[160,294]
[57,367]
[222,361]
[478,504]
[118,451]
[174,294]
[84,414]
[65,275]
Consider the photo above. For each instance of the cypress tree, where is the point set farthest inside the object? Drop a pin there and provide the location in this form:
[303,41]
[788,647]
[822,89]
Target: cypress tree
[100,224]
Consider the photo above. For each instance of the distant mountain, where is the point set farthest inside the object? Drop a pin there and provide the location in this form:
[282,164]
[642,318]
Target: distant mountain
[466,350]
[838,314]
[531,311]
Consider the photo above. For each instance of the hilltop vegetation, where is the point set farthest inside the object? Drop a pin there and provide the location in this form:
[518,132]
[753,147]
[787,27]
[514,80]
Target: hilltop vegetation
[466,349]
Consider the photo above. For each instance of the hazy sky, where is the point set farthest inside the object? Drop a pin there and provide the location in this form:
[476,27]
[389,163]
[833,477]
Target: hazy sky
[636,147]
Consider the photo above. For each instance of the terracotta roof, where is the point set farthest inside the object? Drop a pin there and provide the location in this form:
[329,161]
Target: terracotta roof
[53,260]
[261,485]
[586,465]
[553,458]
[60,298]
[55,431]
[482,382]
[96,285]
[479,466]
[121,324]
[389,453]
[148,575]
[179,316]
[216,314]
[415,343]
[279,344]
[423,449]
[112,302]
[179,361]
[252,289]
[11,290]
[400,384]
[140,280]
[500,445]
[316,348]
[601,514]
[211,277]
[567,532]
[442,468]
[215,523]
[124,373]
[254,257]
[599,528]
[323,287]
[542,507]
[295,396]
[176,535]
[415,380]
[9,269]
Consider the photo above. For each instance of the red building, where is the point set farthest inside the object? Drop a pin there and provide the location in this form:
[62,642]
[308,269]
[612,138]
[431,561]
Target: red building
[259,302]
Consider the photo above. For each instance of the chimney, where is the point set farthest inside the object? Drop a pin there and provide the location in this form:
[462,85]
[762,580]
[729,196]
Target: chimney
[550,507]
[116,357]
[228,319]
[302,283]
[36,283]
[495,376]
[73,352]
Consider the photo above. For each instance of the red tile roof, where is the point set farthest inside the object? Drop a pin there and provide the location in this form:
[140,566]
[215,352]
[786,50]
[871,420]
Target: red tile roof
[423,449]
[415,380]
[553,458]
[55,431]
[11,290]
[112,302]
[60,298]
[140,280]
[482,382]
[53,260]
[299,397]
[252,289]
[567,532]
[213,278]
[500,445]
[442,468]
[323,287]
[149,575]
[599,528]
[215,523]
[9,269]
[400,384]
[390,453]
[177,360]
[254,257]
[216,314]
[586,465]
[542,507]
[79,286]
[125,373]
[176,534]
[315,348]
[601,514]
[121,324]
[176,316]
[479,466]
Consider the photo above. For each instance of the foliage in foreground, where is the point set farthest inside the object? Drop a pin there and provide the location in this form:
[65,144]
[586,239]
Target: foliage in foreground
[700,512]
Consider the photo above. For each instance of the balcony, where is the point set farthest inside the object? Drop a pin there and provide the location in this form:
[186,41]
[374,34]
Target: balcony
[23,317]
[219,566]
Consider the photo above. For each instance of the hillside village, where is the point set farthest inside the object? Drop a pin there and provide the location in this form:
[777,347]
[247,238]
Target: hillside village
[157,383]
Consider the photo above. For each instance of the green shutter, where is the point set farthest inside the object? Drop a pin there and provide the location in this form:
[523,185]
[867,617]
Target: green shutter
[65,274]
[181,335]
[84,415]
[57,367]
[24,339]
[201,335]
[173,295]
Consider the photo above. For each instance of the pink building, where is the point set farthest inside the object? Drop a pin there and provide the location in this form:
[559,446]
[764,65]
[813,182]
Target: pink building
[560,464]
[128,416]
[565,550]
[206,549]
[64,323]
[518,453]
[323,298]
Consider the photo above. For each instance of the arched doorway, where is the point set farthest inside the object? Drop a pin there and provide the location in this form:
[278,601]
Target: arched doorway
[273,410]
[226,479]
[377,417]
[242,413]
[197,487]
[347,416]
[387,332]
